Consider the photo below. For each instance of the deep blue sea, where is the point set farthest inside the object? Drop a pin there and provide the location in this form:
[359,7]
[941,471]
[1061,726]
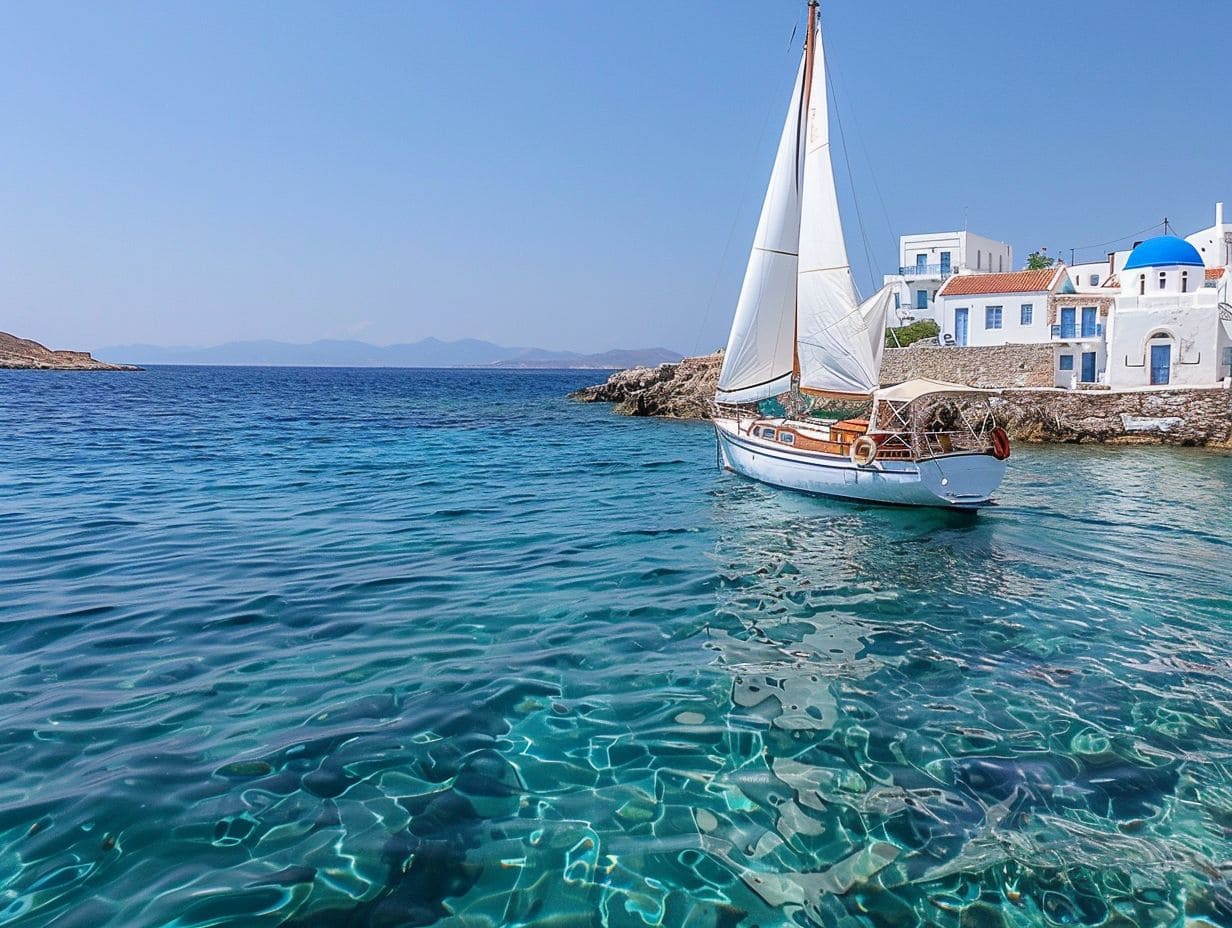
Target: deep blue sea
[403,647]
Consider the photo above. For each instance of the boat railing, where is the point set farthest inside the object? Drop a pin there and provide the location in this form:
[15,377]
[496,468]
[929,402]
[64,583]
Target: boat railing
[909,445]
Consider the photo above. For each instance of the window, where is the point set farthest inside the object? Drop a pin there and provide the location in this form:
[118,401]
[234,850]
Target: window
[1163,280]
[1141,284]
[921,299]
[1000,265]
[1026,313]
[921,262]
[945,262]
[898,300]
[787,438]
[1227,357]
[767,433]
[1094,280]
[1184,281]
[992,317]
[1067,362]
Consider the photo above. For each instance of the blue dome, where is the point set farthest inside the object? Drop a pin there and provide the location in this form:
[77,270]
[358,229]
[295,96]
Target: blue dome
[1165,251]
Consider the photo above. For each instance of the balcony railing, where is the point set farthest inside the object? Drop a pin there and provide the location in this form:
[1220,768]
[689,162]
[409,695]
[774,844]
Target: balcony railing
[1063,332]
[926,270]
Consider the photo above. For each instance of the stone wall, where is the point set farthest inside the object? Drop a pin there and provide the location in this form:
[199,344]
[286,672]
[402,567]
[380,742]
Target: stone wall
[1174,417]
[993,366]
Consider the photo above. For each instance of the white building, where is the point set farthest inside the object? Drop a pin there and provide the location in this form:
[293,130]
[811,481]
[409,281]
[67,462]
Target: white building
[1000,309]
[928,259]
[1171,324]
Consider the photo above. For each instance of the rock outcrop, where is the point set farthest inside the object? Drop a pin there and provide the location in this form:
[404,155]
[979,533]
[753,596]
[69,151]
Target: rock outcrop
[676,391]
[1179,416]
[30,355]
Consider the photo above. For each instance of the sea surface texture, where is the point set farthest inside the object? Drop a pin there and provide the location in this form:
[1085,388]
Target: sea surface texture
[330,648]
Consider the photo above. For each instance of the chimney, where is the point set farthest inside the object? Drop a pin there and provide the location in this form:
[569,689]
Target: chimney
[1218,214]
[1111,263]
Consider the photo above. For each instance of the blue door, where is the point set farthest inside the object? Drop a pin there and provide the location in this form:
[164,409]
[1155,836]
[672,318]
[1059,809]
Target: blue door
[960,326]
[1088,321]
[945,263]
[1161,364]
[1068,327]
[1088,367]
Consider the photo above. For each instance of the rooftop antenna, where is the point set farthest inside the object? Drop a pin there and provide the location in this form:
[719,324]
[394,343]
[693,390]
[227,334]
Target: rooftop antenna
[964,219]
[1166,232]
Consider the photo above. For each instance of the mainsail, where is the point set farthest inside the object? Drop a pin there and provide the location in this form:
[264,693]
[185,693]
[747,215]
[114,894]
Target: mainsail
[758,360]
[798,312]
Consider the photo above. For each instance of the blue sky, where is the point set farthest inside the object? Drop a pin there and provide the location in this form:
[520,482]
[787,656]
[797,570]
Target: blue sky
[567,175]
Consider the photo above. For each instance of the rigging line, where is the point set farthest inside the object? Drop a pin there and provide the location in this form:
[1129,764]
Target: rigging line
[731,232]
[868,254]
[892,241]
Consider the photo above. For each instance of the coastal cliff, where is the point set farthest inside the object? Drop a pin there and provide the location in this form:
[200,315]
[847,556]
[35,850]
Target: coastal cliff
[24,354]
[1179,416]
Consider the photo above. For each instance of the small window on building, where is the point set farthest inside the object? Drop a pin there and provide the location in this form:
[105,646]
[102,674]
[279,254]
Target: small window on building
[1227,358]
[1163,280]
[1141,284]
[787,438]
[898,300]
[1184,281]
[1025,314]
[1000,263]
[992,317]
[1094,280]
[1067,362]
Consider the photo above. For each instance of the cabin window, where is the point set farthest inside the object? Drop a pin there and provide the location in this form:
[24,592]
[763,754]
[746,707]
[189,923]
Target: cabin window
[992,317]
[787,438]
[767,433]
[1067,362]
[1026,313]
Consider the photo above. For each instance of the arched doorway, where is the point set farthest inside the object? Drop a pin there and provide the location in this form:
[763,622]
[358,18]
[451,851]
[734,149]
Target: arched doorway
[1159,353]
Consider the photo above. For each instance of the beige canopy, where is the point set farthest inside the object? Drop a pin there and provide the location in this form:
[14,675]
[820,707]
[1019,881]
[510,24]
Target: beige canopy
[910,390]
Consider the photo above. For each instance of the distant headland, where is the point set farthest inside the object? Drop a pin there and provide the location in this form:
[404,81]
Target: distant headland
[429,352]
[24,354]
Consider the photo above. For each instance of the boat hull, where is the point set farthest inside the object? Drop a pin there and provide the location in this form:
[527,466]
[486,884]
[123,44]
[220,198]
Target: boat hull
[959,481]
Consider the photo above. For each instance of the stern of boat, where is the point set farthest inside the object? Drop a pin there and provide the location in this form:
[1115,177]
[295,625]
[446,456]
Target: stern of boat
[962,480]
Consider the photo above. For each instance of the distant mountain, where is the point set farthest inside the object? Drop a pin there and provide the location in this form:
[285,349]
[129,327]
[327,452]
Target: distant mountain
[430,352]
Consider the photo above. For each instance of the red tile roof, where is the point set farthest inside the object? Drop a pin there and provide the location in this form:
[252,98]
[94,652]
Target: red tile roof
[1013,282]
[1214,273]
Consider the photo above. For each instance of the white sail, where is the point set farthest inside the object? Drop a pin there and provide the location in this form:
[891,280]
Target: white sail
[836,347]
[759,356]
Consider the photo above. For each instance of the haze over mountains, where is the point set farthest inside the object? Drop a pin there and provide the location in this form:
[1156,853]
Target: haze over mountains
[429,352]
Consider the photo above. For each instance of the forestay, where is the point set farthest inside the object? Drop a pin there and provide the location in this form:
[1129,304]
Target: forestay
[758,360]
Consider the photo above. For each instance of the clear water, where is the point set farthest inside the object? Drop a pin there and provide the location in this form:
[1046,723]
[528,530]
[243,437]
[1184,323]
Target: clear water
[350,648]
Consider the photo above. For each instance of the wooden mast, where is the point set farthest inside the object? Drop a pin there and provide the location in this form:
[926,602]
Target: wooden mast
[810,45]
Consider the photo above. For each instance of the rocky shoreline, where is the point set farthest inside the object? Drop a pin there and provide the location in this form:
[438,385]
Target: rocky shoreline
[25,354]
[1179,416]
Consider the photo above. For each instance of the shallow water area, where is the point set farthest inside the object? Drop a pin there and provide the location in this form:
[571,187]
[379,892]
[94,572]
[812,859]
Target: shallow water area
[406,647]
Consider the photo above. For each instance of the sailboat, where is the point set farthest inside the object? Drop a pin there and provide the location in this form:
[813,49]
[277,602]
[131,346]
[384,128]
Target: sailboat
[800,334]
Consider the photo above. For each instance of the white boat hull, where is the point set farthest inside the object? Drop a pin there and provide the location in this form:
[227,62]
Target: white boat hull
[960,480]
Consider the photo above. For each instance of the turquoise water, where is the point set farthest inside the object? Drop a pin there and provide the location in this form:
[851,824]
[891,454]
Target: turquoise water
[349,648]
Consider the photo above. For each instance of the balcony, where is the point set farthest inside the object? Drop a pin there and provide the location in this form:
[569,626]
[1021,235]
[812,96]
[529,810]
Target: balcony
[940,271]
[1075,333]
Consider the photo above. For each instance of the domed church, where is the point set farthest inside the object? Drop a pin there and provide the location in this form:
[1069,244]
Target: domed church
[1169,324]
